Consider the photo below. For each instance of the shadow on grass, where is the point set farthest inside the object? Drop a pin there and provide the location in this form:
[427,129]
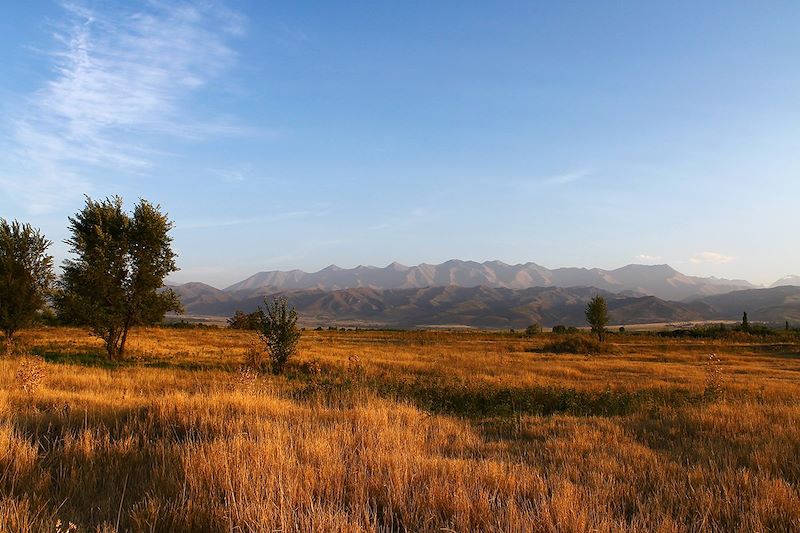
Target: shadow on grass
[98,359]
[94,358]
[442,395]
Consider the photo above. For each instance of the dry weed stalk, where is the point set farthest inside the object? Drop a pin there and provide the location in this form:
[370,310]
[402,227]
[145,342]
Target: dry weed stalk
[30,373]
[61,528]
[714,386]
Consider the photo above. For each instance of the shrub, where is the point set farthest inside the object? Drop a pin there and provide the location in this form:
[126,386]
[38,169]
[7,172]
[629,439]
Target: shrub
[279,331]
[559,329]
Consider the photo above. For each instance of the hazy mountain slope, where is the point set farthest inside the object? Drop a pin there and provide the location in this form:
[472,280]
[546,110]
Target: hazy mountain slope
[788,280]
[775,304]
[442,305]
[658,280]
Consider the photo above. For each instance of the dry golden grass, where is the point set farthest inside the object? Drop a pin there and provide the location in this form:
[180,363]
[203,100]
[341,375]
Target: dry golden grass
[386,431]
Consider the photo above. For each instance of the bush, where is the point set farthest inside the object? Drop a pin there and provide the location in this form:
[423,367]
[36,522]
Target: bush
[559,329]
[279,331]
[577,344]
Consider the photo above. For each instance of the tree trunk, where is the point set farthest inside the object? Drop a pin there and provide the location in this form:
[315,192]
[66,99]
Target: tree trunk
[121,348]
[125,328]
[112,342]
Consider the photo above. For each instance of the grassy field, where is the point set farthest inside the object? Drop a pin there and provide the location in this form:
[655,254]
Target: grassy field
[391,431]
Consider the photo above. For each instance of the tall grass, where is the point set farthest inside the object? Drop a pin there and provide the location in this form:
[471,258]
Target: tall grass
[390,431]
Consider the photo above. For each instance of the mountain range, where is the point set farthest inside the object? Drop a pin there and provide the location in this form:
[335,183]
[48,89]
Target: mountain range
[662,281]
[494,294]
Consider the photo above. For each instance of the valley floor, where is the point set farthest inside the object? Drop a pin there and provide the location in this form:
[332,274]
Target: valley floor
[399,431]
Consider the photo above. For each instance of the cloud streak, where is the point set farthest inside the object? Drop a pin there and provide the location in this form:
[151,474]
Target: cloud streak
[646,258]
[710,257]
[119,84]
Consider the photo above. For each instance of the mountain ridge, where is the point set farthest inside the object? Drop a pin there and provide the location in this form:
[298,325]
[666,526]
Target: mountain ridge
[662,281]
[492,307]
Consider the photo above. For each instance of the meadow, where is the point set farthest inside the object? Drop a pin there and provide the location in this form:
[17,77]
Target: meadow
[399,431]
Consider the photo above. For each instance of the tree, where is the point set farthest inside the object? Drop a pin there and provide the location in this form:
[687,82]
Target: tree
[597,316]
[533,330]
[26,277]
[116,280]
[279,331]
[745,323]
[242,320]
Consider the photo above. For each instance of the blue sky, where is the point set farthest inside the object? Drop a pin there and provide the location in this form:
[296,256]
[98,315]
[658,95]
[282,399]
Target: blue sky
[295,135]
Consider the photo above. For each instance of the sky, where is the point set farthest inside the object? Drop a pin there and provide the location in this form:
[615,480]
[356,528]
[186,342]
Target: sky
[283,135]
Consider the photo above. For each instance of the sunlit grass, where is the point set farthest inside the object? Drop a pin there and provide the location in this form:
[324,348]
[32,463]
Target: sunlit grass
[420,431]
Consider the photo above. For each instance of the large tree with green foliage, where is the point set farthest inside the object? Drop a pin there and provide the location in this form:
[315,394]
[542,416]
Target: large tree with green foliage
[26,277]
[597,316]
[279,331]
[116,280]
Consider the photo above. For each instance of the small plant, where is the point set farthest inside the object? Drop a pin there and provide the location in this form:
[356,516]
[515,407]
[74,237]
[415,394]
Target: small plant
[246,379]
[714,378]
[311,368]
[254,357]
[354,366]
[30,373]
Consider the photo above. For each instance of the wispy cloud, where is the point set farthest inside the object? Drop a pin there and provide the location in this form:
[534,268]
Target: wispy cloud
[568,177]
[710,257]
[555,180]
[120,82]
[244,221]
[646,258]
[402,220]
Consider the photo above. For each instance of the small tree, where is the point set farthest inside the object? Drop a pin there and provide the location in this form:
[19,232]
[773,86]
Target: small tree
[597,316]
[116,280]
[279,331]
[26,277]
[745,323]
[533,330]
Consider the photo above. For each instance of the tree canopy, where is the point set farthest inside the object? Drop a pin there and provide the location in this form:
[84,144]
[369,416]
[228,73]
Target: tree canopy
[26,276]
[116,280]
[597,316]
